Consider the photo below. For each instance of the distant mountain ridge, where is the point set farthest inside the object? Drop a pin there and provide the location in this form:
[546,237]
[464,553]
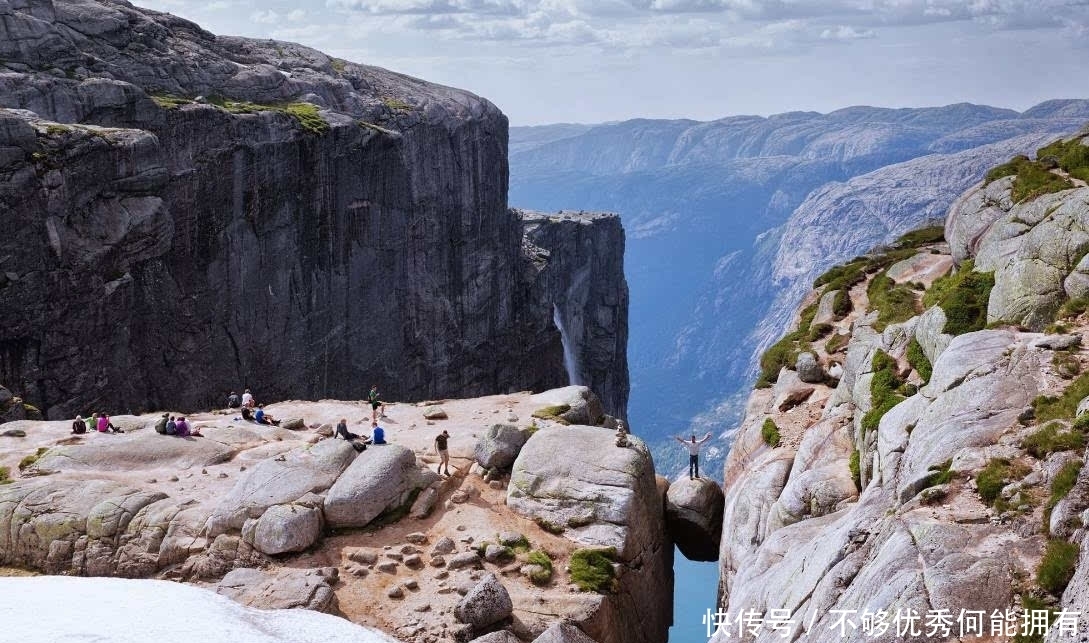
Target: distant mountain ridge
[716,210]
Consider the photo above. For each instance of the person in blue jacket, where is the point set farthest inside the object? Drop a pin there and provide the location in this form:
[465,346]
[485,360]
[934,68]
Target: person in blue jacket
[378,434]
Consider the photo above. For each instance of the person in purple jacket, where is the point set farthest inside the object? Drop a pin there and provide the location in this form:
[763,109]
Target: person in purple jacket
[183,430]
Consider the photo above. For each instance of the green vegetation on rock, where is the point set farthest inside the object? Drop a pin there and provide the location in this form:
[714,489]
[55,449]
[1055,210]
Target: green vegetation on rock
[592,569]
[919,361]
[32,458]
[1063,482]
[1033,179]
[1065,406]
[1057,566]
[552,413]
[170,101]
[995,476]
[549,526]
[542,560]
[836,343]
[854,464]
[1066,364]
[893,302]
[1052,438]
[770,432]
[921,237]
[963,296]
[940,474]
[884,388]
[396,104]
[1072,156]
[5,475]
[306,114]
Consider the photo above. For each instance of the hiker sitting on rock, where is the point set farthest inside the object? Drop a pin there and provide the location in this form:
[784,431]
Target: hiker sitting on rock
[160,426]
[378,434]
[171,427]
[247,414]
[104,425]
[343,432]
[79,426]
[183,430]
[232,401]
[247,399]
[263,418]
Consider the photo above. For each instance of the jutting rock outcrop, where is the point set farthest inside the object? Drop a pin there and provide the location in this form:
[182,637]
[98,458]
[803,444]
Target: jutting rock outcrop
[226,212]
[575,481]
[929,476]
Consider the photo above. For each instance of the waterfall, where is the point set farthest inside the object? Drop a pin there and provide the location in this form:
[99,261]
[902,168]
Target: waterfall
[569,360]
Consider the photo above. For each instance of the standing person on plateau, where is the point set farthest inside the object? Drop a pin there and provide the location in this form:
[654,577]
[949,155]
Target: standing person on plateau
[441,446]
[693,453]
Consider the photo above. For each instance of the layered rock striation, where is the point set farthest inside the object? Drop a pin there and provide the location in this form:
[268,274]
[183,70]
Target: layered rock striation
[191,213]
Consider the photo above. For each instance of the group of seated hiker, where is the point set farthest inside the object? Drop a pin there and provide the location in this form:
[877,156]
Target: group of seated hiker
[97,422]
[259,416]
[180,427]
[378,435]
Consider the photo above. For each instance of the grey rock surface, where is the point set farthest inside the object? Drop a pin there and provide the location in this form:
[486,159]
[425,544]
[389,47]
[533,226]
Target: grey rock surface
[243,247]
[563,633]
[694,517]
[576,479]
[274,481]
[380,478]
[499,446]
[487,603]
[310,589]
[286,528]
[809,369]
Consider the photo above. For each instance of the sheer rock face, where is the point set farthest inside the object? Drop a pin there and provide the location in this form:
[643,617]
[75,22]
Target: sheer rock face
[162,251]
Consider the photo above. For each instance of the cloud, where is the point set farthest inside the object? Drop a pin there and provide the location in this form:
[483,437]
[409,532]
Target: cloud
[296,15]
[846,32]
[267,17]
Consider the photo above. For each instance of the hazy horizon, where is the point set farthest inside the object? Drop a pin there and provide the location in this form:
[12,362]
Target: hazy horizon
[593,61]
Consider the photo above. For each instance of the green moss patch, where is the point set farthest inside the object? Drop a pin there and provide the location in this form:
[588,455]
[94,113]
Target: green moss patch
[592,569]
[542,560]
[893,302]
[884,389]
[29,460]
[1057,566]
[836,343]
[1052,438]
[1072,156]
[549,526]
[922,237]
[552,413]
[994,477]
[963,295]
[770,432]
[5,475]
[1066,364]
[854,464]
[396,104]
[1063,407]
[170,101]
[306,114]
[919,361]
[1063,482]
[1033,178]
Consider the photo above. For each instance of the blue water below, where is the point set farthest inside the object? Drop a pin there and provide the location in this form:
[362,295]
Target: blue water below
[694,588]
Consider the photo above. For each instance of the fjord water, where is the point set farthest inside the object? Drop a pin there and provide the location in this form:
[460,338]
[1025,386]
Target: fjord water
[694,588]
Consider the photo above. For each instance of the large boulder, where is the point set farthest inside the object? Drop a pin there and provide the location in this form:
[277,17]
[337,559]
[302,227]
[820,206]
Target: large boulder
[484,605]
[694,517]
[577,480]
[499,446]
[790,390]
[826,311]
[281,480]
[284,528]
[381,478]
[310,589]
[809,369]
[584,407]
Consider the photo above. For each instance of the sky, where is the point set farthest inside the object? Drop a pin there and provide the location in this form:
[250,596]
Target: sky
[591,61]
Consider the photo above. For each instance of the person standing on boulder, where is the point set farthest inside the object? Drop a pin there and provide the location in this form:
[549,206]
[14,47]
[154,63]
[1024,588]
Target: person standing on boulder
[693,453]
[376,403]
[441,442]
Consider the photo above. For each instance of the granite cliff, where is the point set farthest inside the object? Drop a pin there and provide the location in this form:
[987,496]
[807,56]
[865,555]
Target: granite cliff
[190,213]
[920,443]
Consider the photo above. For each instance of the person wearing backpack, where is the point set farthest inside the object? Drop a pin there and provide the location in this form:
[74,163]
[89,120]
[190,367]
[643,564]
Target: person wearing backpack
[232,401]
[79,426]
[171,427]
[160,426]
